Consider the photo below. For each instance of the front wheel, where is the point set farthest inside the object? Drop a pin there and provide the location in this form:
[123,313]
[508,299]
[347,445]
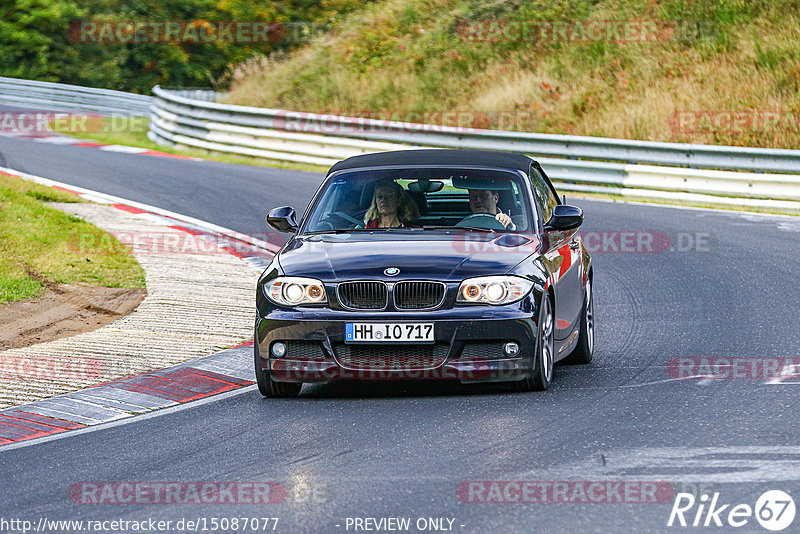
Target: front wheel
[269,387]
[584,350]
[544,356]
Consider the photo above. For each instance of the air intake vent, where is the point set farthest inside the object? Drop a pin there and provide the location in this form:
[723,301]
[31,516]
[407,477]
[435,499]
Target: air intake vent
[363,295]
[487,350]
[418,295]
[391,357]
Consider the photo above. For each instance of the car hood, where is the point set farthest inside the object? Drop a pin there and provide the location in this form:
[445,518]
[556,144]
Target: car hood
[453,256]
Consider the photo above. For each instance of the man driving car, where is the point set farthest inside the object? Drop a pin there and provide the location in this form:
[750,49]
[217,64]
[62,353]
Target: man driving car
[485,201]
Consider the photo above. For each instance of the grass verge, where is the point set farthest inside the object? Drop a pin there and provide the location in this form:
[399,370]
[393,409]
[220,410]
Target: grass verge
[38,245]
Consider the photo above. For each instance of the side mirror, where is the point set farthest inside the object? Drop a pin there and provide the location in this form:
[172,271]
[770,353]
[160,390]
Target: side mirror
[564,218]
[563,224]
[282,219]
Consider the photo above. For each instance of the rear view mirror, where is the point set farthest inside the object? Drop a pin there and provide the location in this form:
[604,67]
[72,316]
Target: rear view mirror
[426,186]
[282,219]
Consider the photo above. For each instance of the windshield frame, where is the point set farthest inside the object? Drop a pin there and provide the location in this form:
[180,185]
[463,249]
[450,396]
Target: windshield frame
[532,214]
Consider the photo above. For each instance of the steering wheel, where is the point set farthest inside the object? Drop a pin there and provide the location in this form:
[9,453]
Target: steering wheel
[346,217]
[482,220]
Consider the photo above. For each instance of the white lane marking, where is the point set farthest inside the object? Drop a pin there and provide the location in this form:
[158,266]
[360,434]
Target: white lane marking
[704,380]
[790,372]
[111,199]
[122,148]
[733,464]
[56,140]
[93,198]
[656,382]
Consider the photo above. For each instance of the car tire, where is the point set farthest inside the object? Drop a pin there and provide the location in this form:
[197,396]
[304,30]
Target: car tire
[544,354]
[584,350]
[269,387]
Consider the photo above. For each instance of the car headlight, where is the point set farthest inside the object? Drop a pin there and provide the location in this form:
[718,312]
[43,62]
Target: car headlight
[295,291]
[494,290]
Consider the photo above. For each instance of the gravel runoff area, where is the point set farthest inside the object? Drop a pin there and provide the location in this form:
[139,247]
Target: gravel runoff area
[199,301]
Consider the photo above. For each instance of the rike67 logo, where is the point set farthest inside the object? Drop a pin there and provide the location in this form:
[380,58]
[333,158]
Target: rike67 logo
[774,510]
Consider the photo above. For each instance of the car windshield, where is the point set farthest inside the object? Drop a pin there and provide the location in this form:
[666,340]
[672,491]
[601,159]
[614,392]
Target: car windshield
[421,198]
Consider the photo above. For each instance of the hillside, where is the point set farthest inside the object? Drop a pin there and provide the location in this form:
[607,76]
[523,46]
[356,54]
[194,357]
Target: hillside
[704,71]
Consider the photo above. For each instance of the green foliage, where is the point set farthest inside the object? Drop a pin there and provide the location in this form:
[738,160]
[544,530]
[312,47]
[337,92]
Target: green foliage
[36,43]
[33,37]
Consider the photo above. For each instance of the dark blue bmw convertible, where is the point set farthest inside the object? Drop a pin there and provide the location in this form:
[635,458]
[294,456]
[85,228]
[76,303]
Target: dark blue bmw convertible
[426,264]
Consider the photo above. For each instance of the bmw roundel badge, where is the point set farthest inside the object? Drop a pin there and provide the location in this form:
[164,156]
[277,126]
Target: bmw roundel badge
[391,271]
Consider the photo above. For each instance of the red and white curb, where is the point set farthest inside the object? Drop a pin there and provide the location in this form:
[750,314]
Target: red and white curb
[196,379]
[57,139]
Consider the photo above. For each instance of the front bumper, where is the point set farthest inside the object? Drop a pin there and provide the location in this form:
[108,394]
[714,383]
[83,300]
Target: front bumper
[468,346]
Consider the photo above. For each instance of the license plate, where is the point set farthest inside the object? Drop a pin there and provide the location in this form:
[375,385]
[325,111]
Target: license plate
[388,333]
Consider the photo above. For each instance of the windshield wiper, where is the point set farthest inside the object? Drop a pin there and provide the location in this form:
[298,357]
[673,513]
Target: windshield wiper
[340,231]
[348,230]
[473,228]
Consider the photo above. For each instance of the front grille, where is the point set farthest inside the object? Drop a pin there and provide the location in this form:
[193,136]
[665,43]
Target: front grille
[304,350]
[391,357]
[418,295]
[363,295]
[487,350]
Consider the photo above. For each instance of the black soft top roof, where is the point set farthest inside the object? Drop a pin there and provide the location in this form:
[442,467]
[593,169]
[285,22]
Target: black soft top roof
[482,158]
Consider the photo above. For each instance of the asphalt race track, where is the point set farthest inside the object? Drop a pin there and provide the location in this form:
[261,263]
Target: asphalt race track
[724,286]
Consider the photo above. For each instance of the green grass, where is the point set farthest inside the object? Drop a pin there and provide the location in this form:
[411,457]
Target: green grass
[40,244]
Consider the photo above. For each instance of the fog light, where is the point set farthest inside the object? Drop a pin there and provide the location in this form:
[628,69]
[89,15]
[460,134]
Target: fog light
[510,349]
[278,349]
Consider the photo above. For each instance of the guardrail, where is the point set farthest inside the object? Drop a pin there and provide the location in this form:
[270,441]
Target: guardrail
[63,97]
[635,169]
[678,172]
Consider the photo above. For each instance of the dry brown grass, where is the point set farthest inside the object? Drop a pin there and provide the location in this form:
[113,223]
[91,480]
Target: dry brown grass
[625,91]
